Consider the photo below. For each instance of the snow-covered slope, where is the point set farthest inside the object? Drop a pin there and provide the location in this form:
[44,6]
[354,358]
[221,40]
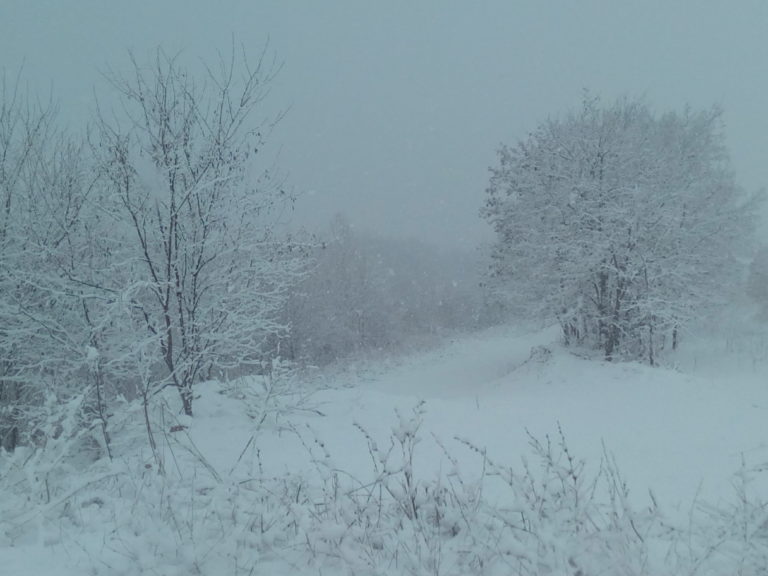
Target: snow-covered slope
[680,434]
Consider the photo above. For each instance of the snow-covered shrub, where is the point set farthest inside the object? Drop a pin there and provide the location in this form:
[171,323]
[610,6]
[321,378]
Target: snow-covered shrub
[550,513]
[39,480]
[273,395]
[732,536]
[550,517]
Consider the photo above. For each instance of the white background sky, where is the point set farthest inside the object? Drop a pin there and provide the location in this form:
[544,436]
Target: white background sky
[397,106]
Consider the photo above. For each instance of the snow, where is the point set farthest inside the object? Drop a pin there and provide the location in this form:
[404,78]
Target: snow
[680,434]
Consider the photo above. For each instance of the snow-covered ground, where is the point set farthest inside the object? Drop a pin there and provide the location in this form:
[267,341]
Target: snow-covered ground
[680,434]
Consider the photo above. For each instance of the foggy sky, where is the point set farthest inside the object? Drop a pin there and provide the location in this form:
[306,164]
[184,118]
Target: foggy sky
[395,108]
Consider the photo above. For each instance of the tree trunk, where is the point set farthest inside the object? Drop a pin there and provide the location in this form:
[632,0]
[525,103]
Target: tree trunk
[674,338]
[185,391]
[614,329]
[650,344]
[9,397]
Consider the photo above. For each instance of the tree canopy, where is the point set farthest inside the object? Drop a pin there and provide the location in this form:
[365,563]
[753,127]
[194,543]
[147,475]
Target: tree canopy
[621,223]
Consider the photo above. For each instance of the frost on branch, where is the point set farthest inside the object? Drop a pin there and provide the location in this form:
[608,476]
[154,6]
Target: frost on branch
[622,224]
[209,272]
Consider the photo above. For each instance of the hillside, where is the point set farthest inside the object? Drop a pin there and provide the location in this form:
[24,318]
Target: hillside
[298,476]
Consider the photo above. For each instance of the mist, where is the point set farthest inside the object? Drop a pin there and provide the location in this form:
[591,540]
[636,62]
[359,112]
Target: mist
[383,288]
[393,110]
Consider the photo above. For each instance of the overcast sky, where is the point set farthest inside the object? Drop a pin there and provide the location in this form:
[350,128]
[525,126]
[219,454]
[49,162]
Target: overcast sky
[396,107]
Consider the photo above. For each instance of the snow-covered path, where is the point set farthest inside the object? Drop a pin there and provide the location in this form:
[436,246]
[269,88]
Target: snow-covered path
[470,366]
[681,435]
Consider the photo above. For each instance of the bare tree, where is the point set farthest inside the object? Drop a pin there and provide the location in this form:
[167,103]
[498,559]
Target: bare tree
[207,271]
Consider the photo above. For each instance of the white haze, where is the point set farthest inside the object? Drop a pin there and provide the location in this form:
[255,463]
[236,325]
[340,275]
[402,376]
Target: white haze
[394,109]
[367,400]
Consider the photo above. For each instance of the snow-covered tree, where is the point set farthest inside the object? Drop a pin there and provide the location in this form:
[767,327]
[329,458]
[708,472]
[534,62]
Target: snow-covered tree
[24,129]
[45,185]
[204,271]
[621,223]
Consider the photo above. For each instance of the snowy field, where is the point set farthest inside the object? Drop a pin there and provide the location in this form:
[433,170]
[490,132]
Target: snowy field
[298,478]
